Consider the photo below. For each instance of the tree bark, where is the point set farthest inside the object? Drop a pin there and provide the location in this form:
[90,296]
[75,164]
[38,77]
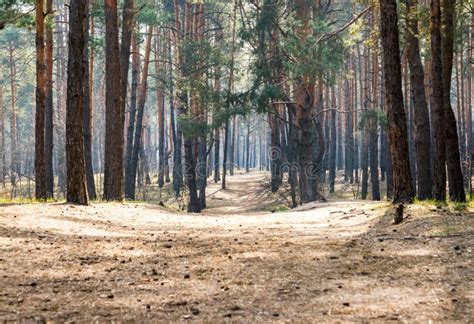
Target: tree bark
[49,112]
[76,175]
[422,130]
[113,158]
[402,181]
[161,122]
[3,160]
[137,141]
[87,112]
[133,108]
[364,88]
[453,158]
[349,139]
[332,142]
[437,110]
[40,159]
[276,152]
[127,30]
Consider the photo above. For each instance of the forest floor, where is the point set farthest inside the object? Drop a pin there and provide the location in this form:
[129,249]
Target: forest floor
[238,262]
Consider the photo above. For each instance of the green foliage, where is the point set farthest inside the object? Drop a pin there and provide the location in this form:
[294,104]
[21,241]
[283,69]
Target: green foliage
[17,12]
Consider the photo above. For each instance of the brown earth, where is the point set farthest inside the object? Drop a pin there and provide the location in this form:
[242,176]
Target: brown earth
[337,261]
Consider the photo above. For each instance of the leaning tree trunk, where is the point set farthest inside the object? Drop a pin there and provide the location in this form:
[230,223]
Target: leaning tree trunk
[402,182]
[76,173]
[40,159]
[113,159]
[453,158]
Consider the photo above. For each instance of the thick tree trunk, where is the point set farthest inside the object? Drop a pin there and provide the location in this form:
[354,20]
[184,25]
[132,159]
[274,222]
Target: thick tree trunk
[113,159]
[76,173]
[422,130]
[402,182]
[437,110]
[40,159]
[453,158]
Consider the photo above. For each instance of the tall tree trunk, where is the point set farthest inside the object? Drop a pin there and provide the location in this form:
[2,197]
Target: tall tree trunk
[133,108]
[332,142]
[437,110]
[87,112]
[76,173]
[49,113]
[364,98]
[230,88]
[226,146]
[276,152]
[385,156]
[340,137]
[40,159]
[247,148]
[470,89]
[422,130]
[374,124]
[127,30]
[402,182]
[161,121]
[453,158]
[349,140]
[61,80]
[113,158]
[137,141]
[176,114]
[3,161]
[305,102]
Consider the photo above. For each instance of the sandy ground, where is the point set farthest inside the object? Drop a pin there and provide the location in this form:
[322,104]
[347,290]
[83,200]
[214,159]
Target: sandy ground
[337,261]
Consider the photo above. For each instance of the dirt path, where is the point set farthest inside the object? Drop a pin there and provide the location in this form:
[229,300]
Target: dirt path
[339,261]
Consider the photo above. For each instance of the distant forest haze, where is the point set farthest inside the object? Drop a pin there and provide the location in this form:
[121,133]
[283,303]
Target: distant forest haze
[153,100]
